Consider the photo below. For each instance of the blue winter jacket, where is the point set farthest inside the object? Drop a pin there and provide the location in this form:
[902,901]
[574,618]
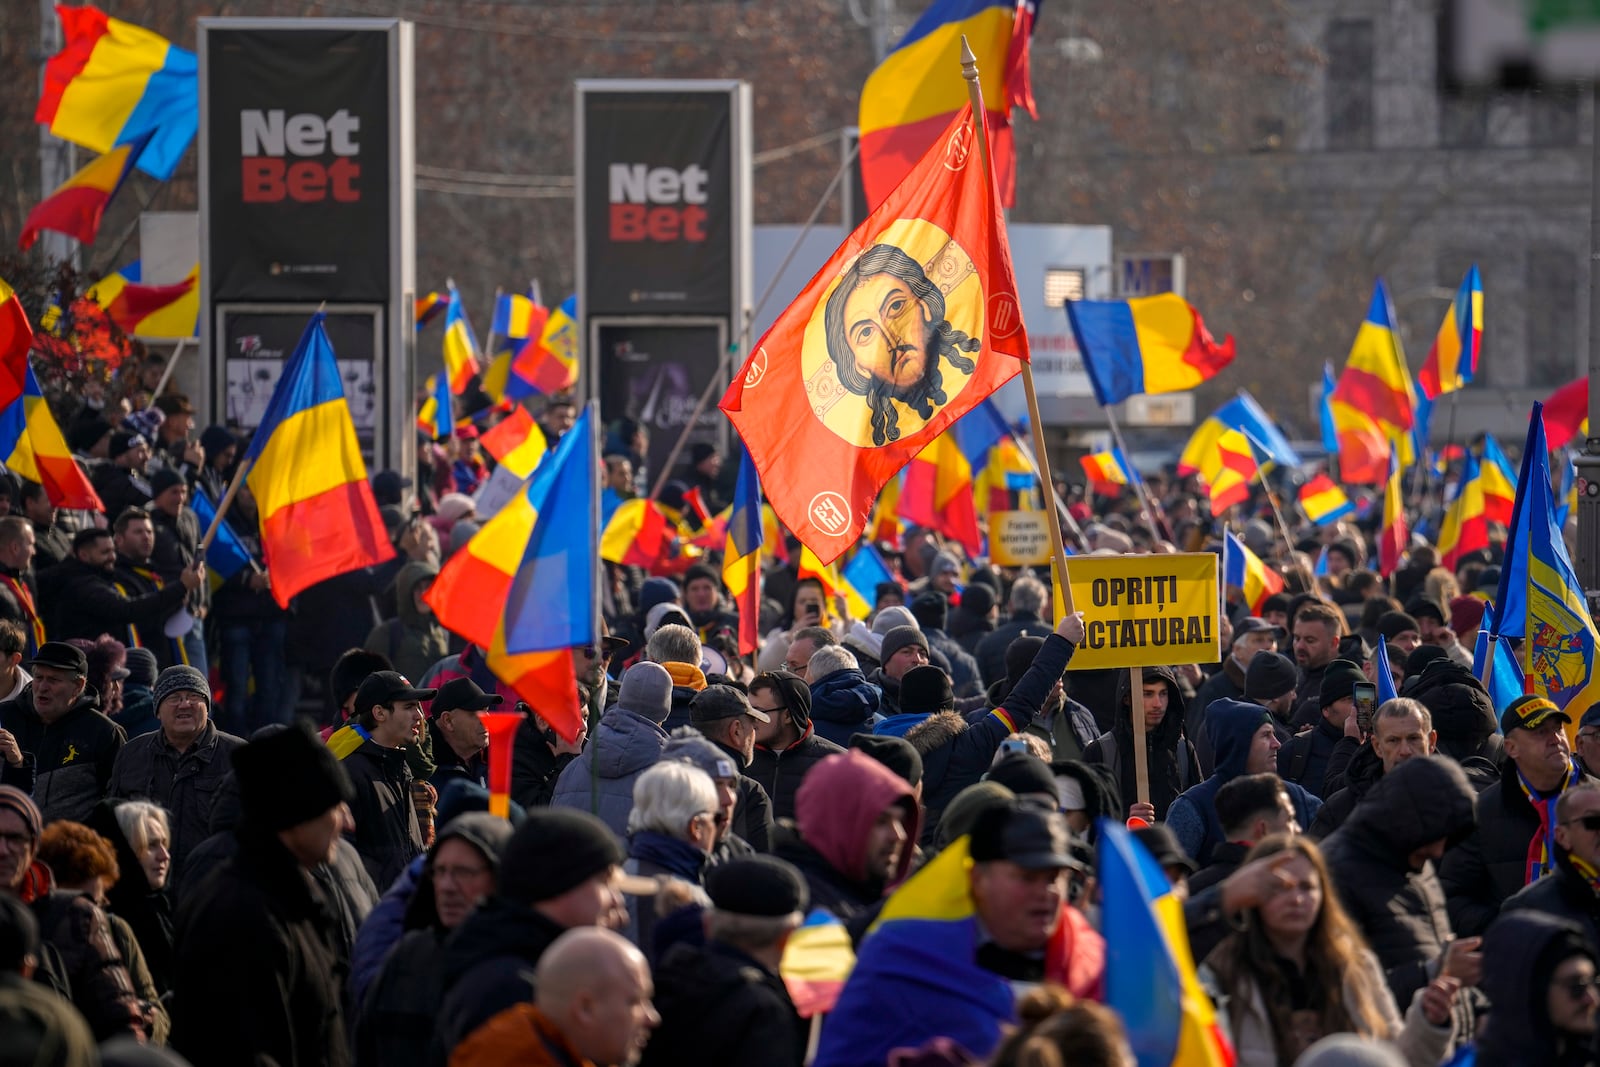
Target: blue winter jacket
[1230,724]
[842,704]
[600,781]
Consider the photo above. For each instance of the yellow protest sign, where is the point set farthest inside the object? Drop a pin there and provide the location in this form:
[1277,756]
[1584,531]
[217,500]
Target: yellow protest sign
[1145,611]
[1019,538]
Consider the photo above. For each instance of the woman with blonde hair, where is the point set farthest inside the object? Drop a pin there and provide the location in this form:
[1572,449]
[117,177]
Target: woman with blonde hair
[1297,970]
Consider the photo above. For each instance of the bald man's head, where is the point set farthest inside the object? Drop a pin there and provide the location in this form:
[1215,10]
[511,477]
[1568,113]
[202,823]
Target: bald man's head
[595,986]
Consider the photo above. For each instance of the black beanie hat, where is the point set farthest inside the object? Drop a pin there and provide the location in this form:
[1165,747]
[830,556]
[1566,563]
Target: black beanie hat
[1023,773]
[289,777]
[1392,624]
[895,753]
[1020,655]
[1338,681]
[926,690]
[1269,676]
[1420,657]
[351,669]
[484,832]
[554,850]
[793,691]
[977,598]
[932,611]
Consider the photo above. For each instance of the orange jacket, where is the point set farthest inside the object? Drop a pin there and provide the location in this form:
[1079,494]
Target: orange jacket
[520,1036]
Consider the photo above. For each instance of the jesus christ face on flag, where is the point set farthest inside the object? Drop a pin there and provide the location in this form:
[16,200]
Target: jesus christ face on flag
[887,333]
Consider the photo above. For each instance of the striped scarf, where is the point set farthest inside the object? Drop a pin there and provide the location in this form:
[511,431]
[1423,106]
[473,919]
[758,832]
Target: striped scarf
[1542,849]
[1586,871]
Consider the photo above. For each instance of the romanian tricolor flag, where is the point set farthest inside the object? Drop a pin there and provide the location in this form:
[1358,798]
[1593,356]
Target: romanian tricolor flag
[1150,976]
[114,84]
[1540,598]
[938,493]
[1150,344]
[898,358]
[639,535]
[1109,471]
[525,585]
[460,345]
[518,322]
[1453,359]
[1393,536]
[1323,501]
[1504,679]
[318,515]
[1499,480]
[77,207]
[1227,471]
[157,311]
[550,364]
[885,526]
[1566,412]
[428,308]
[31,444]
[1242,413]
[437,417]
[1465,527]
[863,574]
[1374,400]
[518,446]
[1243,568]
[741,560]
[909,100]
[858,601]
[816,961]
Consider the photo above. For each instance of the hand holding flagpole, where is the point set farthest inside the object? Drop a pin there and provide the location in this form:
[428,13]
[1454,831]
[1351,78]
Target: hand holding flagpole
[1058,550]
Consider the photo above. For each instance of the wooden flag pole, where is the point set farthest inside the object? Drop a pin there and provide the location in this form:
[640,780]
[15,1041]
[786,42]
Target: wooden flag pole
[172,364]
[1058,549]
[225,503]
[1153,511]
[1141,758]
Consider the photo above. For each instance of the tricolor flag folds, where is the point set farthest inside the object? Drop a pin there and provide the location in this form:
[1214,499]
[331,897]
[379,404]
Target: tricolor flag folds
[31,444]
[1243,569]
[78,205]
[1566,412]
[227,555]
[428,308]
[1323,501]
[1109,471]
[114,83]
[858,601]
[318,515]
[155,311]
[1374,401]
[741,560]
[1499,480]
[909,100]
[1150,976]
[638,535]
[549,364]
[437,417]
[1393,535]
[1227,470]
[1465,527]
[816,961]
[938,493]
[526,582]
[1503,679]
[873,360]
[1149,344]
[517,445]
[865,571]
[1453,359]
[1540,598]
[518,322]
[1242,413]
[460,345]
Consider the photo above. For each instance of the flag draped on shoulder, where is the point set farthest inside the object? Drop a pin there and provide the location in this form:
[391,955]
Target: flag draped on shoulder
[526,582]
[1150,975]
[1453,360]
[79,203]
[318,515]
[1149,344]
[114,83]
[31,444]
[910,324]
[1540,599]
[908,100]
[741,562]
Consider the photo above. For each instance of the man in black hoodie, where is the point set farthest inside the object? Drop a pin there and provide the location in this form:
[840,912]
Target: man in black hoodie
[787,746]
[1172,764]
[1544,992]
[1304,760]
[82,597]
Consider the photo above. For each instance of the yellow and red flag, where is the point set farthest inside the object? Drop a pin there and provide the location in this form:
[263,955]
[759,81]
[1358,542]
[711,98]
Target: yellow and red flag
[938,493]
[1453,360]
[78,205]
[911,323]
[1374,404]
[1393,535]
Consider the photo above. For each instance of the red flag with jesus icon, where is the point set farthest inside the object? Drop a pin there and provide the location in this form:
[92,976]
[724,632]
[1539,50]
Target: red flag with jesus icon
[910,325]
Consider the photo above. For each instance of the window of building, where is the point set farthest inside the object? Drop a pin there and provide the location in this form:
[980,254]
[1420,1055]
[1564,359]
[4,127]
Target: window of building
[1551,312]
[1349,83]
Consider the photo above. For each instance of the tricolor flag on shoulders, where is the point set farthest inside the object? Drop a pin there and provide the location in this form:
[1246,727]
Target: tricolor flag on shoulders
[741,561]
[1323,501]
[874,360]
[318,515]
[908,101]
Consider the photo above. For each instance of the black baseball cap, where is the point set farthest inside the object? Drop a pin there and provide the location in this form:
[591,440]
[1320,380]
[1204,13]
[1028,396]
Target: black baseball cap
[385,687]
[462,694]
[1025,833]
[716,702]
[1527,712]
[61,656]
[1255,625]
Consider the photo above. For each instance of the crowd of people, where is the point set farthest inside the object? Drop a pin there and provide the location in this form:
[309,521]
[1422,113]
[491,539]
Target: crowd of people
[235,834]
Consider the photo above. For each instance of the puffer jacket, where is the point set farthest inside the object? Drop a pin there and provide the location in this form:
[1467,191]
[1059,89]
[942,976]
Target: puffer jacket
[1172,763]
[844,703]
[413,641]
[185,783]
[600,781]
[1193,815]
[1480,873]
[387,834]
[72,756]
[1402,911]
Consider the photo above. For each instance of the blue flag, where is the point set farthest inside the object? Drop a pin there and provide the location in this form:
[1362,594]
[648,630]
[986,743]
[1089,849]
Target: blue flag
[227,555]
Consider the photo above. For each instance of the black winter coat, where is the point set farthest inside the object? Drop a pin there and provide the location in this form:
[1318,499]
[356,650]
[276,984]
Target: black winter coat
[185,783]
[488,966]
[1364,771]
[394,1027]
[780,773]
[1304,760]
[72,757]
[991,651]
[829,890]
[720,1008]
[752,809]
[386,833]
[1172,764]
[83,601]
[534,768]
[1400,910]
[1484,870]
[259,978]
[1564,894]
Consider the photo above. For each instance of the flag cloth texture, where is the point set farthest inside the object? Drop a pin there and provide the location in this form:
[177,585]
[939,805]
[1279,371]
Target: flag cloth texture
[1149,344]
[1453,360]
[910,324]
[79,203]
[1244,569]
